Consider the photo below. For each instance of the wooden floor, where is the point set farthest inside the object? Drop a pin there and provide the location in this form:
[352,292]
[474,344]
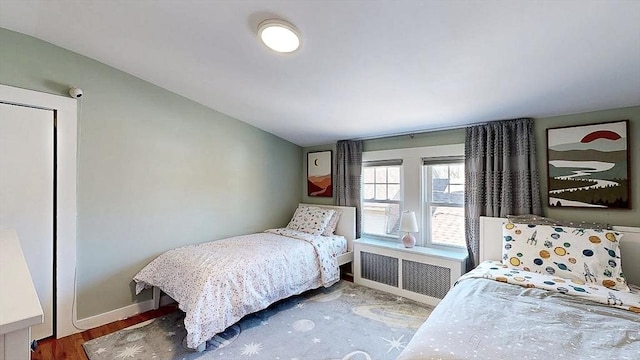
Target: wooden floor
[70,347]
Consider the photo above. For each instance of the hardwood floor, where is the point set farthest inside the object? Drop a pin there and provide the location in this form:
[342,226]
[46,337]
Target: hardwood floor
[70,347]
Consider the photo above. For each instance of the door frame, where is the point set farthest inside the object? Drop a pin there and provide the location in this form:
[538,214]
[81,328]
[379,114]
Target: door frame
[66,114]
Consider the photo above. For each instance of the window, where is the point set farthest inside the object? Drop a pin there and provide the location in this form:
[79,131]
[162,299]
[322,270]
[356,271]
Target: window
[381,198]
[426,180]
[444,201]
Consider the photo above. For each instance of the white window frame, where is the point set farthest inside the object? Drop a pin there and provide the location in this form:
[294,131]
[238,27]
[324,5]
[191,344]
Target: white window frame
[374,163]
[412,187]
[428,200]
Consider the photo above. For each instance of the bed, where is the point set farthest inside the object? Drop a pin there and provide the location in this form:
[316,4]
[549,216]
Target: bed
[510,307]
[218,282]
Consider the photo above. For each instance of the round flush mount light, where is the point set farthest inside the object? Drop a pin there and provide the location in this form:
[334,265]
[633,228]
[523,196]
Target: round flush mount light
[279,35]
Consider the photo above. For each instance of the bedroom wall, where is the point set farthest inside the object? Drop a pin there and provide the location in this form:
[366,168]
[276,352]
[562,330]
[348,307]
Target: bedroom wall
[155,170]
[616,217]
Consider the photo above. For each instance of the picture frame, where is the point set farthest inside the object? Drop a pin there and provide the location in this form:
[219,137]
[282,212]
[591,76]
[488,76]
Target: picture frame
[588,166]
[319,173]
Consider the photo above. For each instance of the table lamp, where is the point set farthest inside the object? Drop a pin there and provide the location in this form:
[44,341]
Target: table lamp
[409,225]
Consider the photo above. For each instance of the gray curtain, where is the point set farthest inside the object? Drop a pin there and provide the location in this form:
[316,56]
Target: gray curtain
[348,174]
[501,176]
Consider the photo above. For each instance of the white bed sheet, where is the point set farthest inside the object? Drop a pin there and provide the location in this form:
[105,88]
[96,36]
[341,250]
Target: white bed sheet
[219,282]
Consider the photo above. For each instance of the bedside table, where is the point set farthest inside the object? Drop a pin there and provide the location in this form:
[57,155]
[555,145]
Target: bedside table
[418,273]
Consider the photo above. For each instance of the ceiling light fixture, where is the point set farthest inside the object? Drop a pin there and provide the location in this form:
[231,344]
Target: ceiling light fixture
[279,35]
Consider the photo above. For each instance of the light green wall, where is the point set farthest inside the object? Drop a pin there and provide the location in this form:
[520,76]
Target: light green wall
[616,217]
[155,170]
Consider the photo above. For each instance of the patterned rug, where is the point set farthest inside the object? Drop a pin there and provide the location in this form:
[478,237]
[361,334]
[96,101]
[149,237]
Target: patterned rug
[345,321]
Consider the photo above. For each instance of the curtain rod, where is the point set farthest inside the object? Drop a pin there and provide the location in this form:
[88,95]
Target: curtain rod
[424,131]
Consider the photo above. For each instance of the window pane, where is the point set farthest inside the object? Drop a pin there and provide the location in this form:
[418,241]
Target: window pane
[368,175]
[447,226]
[368,192]
[381,192]
[457,173]
[447,184]
[380,219]
[394,174]
[440,171]
[381,174]
[456,195]
[394,192]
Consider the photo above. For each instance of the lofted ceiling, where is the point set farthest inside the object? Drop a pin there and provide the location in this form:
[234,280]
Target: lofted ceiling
[365,68]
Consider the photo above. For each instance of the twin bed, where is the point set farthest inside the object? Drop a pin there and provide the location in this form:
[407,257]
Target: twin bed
[541,291]
[219,282]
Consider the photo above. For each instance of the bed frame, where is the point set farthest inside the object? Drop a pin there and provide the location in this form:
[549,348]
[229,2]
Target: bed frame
[491,245]
[346,227]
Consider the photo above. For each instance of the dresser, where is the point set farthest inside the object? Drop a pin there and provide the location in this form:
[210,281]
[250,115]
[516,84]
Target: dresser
[19,305]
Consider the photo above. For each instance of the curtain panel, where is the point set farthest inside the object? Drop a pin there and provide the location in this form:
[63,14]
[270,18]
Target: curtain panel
[501,176]
[348,177]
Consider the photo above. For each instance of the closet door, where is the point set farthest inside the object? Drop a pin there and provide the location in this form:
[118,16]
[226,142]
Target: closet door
[27,196]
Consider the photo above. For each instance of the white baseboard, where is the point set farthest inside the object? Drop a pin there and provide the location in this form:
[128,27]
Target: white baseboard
[121,313]
[114,315]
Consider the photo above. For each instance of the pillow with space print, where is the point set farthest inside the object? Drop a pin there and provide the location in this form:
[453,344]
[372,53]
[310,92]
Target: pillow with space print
[582,255]
[312,220]
[333,222]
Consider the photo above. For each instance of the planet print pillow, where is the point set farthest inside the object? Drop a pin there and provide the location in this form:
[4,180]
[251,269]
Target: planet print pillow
[582,255]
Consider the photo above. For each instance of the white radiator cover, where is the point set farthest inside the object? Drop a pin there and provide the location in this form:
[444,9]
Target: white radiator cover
[419,274]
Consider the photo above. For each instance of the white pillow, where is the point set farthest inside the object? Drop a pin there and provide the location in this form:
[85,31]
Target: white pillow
[333,223]
[310,219]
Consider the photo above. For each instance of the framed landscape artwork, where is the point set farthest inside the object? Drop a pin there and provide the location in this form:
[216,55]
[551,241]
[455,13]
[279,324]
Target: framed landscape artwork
[588,166]
[319,177]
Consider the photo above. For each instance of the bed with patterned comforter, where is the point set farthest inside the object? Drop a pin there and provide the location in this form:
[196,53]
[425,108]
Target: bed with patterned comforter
[219,282]
[496,312]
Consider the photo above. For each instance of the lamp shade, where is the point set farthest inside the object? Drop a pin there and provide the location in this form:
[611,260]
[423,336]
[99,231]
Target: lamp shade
[408,222]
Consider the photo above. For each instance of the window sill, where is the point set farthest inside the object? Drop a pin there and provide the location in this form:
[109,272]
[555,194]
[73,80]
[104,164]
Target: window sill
[448,254]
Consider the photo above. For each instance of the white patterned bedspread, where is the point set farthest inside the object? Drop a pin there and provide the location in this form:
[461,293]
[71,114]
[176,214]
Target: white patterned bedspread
[219,282]
[486,315]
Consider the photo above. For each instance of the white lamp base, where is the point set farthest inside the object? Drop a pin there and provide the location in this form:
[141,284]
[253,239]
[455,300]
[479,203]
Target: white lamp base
[409,241]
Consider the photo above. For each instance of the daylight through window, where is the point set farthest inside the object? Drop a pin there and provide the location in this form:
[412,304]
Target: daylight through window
[444,201]
[381,198]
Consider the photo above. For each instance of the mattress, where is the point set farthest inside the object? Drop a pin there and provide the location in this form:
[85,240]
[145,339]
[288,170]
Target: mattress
[481,318]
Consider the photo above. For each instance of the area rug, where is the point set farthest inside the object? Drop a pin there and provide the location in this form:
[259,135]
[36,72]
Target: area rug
[345,321]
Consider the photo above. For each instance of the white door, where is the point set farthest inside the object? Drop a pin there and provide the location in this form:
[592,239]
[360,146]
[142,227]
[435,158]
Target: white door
[27,195]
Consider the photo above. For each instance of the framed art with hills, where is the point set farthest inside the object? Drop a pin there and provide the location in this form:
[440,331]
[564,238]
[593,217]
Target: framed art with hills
[319,176]
[588,166]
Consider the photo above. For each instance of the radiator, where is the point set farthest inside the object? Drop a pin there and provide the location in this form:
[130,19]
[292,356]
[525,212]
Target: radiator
[426,279]
[379,268]
[419,274]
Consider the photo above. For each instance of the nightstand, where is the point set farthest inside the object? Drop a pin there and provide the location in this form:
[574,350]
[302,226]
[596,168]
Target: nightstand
[418,273]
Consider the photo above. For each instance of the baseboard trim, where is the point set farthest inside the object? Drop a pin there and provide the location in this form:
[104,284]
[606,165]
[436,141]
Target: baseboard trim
[115,315]
[121,313]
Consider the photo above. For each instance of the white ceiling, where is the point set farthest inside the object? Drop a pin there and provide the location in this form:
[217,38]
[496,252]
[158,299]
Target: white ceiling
[366,68]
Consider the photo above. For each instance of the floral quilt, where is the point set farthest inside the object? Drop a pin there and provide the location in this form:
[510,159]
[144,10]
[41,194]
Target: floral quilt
[219,282]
